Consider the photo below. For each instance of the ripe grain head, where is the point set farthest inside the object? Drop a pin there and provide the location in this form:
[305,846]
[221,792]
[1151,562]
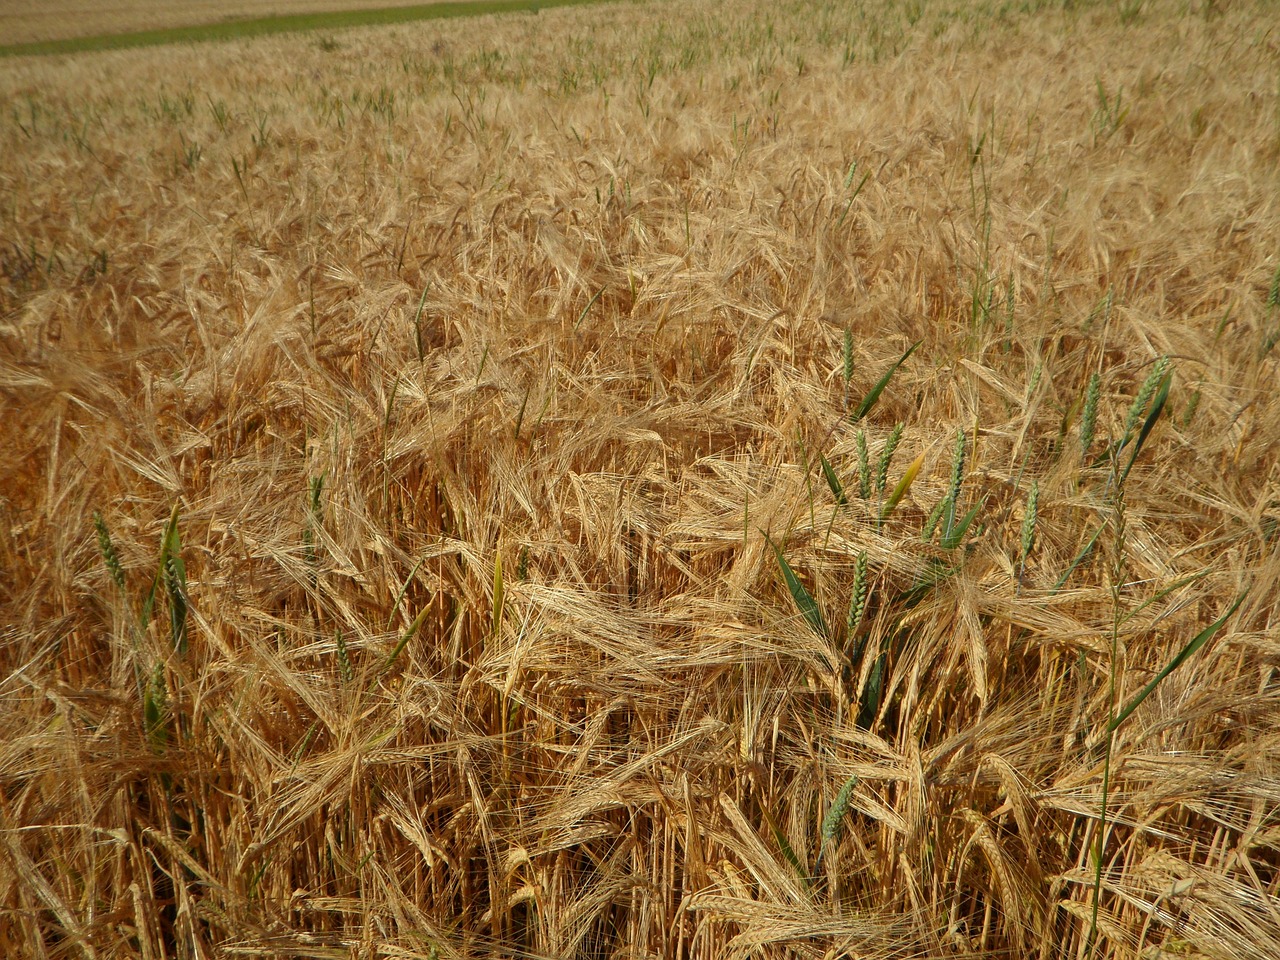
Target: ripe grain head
[572,290]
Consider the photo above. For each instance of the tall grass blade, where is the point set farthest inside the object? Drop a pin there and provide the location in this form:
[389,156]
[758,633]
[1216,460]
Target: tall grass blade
[1080,558]
[404,588]
[1200,639]
[1157,405]
[176,586]
[587,309]
[805,603]
[404,639]
[174,572]
[417,324]
[833,481]
[955,536]
[1160,595]
[788,851]
[870,399]
[901,489]
[869,705]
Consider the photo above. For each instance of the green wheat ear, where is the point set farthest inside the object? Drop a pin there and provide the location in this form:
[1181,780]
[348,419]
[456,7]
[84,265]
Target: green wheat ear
[857,611]
[173,573]
[1029,526]
[108,550]
[155,709]
[1193,404]
[1089,419]
[931,522]
[864,466]
[315,520]
[951,531]
[833,822]
[1143,399]
[1029,520]
[886,457]
[344,658]
[958,457]
[858,599]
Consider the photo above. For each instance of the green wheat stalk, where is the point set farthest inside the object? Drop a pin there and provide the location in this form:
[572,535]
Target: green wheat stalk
[1193,404]
[1089,419]
[848,364]
[858,597]
[953,531]
[1143,399]
[886,457]
[108,550]
[864,467]
[1029,518]
[833,822]
[344,658]
[315,519]
[873,394]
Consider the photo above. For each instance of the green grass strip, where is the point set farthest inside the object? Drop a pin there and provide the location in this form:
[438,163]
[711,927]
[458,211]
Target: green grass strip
[262,26]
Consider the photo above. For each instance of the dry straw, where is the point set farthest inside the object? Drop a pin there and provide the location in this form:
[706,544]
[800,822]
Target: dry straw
[496,368]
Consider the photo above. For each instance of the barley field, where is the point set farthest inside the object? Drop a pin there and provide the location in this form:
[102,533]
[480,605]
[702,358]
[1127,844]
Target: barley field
[714,480]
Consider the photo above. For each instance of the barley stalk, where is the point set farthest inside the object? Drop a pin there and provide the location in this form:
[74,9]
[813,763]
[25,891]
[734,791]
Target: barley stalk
[486,647]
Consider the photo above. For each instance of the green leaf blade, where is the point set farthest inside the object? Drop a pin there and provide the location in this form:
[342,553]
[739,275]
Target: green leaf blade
[870,399]
[805,603]
[1200,639]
